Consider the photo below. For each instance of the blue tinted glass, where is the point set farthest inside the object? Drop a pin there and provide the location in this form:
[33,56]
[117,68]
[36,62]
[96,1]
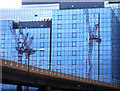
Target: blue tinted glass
[41,53]
[74,16]
[74,44]
[41,44]
[59,17]
[42,36]
[59,44]
[74,35]
[59,53]
[73,53]
[58,62]
[74,25]
[59,26]
[59,35]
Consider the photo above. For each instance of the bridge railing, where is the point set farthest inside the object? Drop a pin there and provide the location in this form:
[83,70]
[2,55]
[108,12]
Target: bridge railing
[63,69]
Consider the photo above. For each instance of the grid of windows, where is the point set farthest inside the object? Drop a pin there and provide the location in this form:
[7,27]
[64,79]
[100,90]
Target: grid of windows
[71,41]
[75,38]
[41,39]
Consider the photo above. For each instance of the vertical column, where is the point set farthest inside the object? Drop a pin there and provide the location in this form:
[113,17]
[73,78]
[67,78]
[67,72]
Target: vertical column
[50,46]
[19,88]
[0,55]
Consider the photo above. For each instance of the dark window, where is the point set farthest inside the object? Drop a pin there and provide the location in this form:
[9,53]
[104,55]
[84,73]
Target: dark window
[59,44]
[3,36]
[73,71]
[59,62]
[74,16]
[74,35]
[59,26]
[42,44]
[3,45]
[59,35]
[73,62]
[41,53]
[59,17]
[74,25]
[36,15]
[59,53]
[42,36]
[74,44]
[73,53]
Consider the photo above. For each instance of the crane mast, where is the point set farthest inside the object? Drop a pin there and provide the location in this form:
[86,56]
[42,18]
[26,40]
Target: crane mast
[92,37]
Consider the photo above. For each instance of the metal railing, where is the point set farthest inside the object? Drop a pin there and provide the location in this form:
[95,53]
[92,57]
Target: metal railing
[66,72]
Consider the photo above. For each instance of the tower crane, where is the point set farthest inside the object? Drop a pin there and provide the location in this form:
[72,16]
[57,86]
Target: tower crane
[23,43]
[92,37]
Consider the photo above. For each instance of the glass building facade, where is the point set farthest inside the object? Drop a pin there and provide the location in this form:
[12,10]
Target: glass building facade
[41,39]
[71,41]
[84,42]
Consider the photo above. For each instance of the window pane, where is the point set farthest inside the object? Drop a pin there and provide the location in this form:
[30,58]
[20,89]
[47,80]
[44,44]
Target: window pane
[74,26]
[74,43]
[59,53]
[74,16]
[74,53]
[42,36]
[59,17]
[74,35]
[59,44]
[41,44]
[73,62]
[41,53]
[59,26]
[3,36]
[59,62]
[59,35]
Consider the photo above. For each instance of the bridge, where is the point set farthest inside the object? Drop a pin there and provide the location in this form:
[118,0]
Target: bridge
[14,72]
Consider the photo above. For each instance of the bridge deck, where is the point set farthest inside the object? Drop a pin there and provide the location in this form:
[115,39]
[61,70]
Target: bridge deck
[58,75]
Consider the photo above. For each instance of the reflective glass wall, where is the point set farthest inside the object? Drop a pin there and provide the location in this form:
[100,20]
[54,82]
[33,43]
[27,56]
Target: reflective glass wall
[73,47]
[85,42]
[41,36]
[14,40]
[115,46]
